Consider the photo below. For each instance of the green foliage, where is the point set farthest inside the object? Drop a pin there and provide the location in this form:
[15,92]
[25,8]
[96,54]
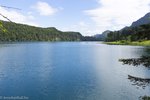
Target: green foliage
[123,42]
[19,32]
[2,27]
[131,34]
[90,38]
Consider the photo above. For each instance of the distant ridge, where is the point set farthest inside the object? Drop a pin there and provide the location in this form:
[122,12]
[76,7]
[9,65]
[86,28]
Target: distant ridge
[141,21]
[22,32]
[102,36]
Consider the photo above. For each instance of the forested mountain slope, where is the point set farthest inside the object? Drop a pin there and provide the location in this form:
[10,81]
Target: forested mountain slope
[20,32]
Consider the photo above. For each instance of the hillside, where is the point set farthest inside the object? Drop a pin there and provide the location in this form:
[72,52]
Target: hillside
[102,36]
[144,20]
[138,31]
[20,32]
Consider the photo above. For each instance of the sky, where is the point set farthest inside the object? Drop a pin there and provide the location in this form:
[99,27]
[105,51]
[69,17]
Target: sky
[88,17]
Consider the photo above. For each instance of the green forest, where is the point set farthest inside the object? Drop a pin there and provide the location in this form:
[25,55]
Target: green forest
[10,31]
[140,33]
[18,32]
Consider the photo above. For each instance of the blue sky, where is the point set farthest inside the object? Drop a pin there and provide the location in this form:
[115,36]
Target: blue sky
[86,16]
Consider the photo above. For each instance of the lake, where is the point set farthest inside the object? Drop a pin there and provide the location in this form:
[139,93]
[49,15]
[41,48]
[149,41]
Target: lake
[70,71]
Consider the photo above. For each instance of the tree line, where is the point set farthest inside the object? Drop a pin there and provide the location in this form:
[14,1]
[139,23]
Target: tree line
[20,32]
[139,33]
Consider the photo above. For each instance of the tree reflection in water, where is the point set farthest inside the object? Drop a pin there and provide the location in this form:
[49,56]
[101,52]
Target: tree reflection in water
[144,98]
[138,81]
[144,60]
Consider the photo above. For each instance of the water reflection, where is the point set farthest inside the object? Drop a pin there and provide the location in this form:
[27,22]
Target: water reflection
[139,82]
[143,61]
[144,98]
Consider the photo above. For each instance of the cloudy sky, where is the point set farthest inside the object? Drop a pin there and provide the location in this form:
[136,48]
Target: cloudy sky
[86,16]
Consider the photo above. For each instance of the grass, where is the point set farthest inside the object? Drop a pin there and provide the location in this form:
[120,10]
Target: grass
[135,43]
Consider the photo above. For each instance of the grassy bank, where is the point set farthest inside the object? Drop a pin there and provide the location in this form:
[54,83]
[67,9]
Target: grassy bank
[135,43]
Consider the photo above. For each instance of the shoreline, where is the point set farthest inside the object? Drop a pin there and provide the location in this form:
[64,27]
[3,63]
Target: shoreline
[134,43]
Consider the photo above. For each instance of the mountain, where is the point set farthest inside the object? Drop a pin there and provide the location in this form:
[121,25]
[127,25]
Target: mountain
[138,31]
[102,36]
[21,32]
[141,21]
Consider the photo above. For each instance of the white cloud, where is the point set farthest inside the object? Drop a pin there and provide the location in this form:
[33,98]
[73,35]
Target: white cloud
[116,14]
[44,8]
[17,17]
[85,28]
